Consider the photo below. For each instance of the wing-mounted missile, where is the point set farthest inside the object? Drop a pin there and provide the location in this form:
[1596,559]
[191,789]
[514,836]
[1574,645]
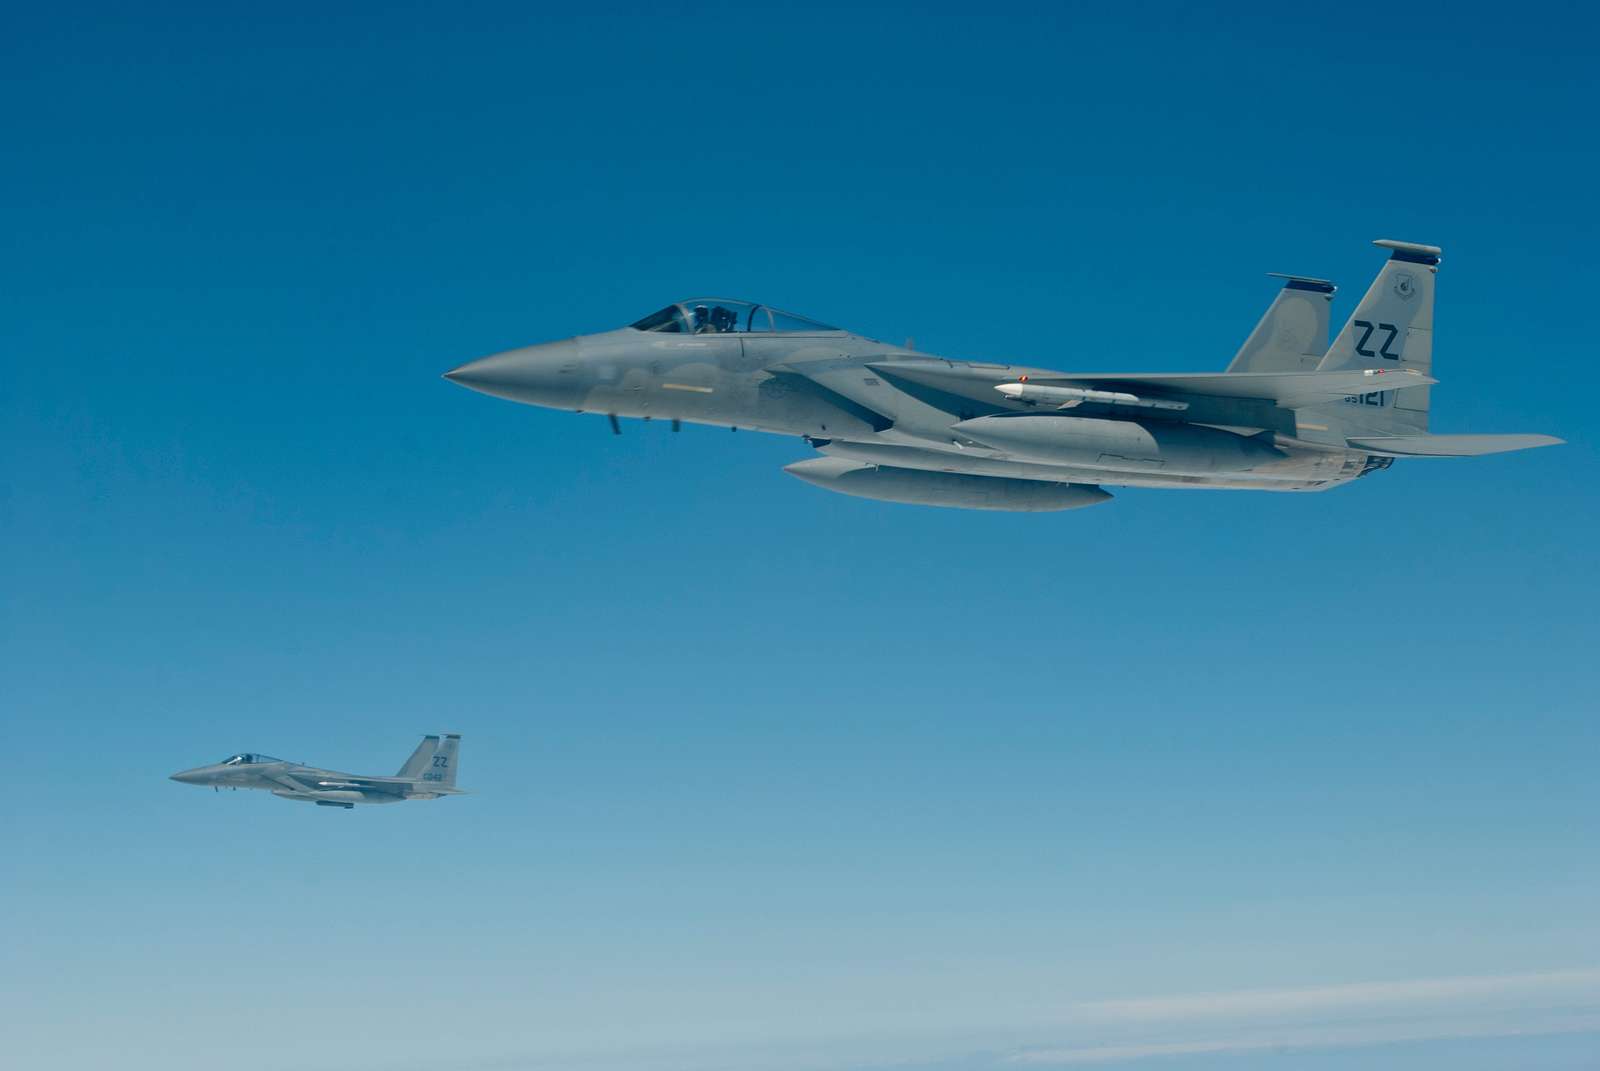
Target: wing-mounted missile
[1071,397]
[916,487]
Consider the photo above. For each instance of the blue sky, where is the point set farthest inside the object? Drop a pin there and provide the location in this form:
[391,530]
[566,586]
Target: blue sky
[765,777]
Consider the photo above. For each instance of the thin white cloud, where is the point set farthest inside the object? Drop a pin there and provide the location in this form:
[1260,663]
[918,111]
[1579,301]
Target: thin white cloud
[1580,984]
[1292,1038]
[1113,1032]
[1337,1016]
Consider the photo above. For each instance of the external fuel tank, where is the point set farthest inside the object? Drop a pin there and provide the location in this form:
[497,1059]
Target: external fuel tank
[1120,445]
[917,487]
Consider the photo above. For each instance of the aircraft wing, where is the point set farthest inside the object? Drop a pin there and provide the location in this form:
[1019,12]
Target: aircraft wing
[329,781]
[1286,389]
[311,779]
[392,784]
[356,782]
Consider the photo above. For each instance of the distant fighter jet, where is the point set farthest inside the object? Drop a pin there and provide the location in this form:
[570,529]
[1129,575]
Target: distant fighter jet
[429,773]
[1290,413]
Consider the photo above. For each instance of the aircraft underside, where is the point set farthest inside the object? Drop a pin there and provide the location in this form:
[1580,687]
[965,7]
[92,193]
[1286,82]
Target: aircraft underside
[936,445]
[1305,469]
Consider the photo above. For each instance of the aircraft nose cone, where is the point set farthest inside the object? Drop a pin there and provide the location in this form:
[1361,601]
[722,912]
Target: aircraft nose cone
[535,374]
[187,777]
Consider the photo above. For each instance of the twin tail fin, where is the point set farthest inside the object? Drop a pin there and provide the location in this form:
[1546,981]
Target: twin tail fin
[434,760]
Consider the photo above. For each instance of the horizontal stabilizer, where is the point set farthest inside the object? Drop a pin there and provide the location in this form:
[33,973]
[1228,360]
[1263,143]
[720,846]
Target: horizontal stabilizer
[1450,445]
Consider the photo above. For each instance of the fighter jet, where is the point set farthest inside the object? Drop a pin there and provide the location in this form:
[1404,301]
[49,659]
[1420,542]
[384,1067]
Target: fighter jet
[429,773]
[1290,413]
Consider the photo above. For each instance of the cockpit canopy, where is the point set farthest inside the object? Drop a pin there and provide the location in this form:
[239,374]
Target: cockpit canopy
[720,316]
[247,759]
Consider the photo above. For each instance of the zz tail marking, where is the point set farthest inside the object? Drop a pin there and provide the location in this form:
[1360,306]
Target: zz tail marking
[1383,351]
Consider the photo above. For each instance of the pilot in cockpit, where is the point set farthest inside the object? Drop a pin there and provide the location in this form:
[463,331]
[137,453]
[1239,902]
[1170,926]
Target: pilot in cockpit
[716,321]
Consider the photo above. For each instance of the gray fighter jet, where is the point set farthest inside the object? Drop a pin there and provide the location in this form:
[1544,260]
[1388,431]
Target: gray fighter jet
[1290,413]
[429,773]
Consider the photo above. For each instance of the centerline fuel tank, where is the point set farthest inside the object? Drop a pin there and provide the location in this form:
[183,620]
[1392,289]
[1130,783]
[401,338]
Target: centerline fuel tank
[887,483]
[1120,445]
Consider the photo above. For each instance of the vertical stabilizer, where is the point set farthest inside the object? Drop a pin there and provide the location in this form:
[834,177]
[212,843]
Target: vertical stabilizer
[1293,335]
[417,764]
[442,766]
[1391,328]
